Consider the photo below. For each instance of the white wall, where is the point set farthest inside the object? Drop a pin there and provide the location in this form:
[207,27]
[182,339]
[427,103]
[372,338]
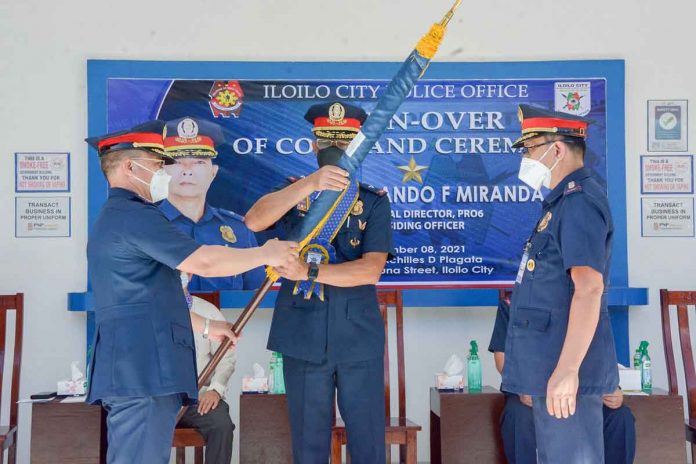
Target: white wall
[45,45]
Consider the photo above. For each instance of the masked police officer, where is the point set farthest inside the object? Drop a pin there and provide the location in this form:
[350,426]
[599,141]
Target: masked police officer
[335,344]
[560,347]
[143,367]
[192,144]
[517,419]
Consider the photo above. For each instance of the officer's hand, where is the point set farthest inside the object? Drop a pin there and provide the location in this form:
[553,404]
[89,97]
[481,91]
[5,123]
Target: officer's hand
[208,401]
[295,270]
[220,330]
[561,392]
[279,253]
[613,400]
[329,178]
[526,400]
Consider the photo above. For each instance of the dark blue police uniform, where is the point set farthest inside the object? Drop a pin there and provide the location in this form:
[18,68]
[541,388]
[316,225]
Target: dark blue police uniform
[576,229]
[336,344]
[144,365]
[517,419]
[217,227]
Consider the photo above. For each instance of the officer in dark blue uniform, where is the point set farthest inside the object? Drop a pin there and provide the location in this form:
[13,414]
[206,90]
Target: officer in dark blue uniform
[334,345]
[560,347]
[517,420]
[143,367]
[192,144]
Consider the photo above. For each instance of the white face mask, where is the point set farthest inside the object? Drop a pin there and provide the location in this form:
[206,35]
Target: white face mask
[535,173]
[159,184]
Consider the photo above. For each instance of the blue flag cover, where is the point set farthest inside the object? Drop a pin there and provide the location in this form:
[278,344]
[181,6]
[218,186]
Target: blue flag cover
[325,209]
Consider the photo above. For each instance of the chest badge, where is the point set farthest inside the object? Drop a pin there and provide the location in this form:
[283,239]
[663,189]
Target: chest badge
[362,225]
[358,208]
[544,222]
[354,242]
[531,265]
[228,234]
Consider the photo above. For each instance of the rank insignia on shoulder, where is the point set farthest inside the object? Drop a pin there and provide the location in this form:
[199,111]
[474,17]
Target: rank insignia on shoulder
[354,242]
[228,234]
[531,265]
[572,187]
[544,222]
[358,208]
[362,224]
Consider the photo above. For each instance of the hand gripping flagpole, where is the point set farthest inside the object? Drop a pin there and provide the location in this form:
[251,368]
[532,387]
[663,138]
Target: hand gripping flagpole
[326,205]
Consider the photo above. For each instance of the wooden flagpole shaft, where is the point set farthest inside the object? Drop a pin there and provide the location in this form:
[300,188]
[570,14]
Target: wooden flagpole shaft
[236,328]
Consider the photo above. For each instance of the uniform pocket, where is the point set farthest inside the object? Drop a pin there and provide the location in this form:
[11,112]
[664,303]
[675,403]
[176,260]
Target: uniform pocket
[135,350]
[182,335]
[532,318]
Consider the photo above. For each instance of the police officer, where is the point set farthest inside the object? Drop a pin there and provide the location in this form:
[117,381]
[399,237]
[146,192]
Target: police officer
[143,367]
[192,143]
[517,420]
[560,347]
[335,344]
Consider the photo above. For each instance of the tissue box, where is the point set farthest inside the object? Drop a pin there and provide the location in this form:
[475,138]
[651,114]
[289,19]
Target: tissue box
[254,384]
[71,387]
[449,382]
[629,379]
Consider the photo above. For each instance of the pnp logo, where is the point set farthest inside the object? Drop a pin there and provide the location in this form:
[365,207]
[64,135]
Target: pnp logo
[226,99]
[572,98]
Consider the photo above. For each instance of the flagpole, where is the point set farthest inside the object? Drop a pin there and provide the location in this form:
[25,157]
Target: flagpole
[323,207]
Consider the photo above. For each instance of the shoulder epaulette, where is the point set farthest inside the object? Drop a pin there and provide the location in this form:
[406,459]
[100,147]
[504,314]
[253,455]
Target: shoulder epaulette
[231,214]
[371,188]
[572,187]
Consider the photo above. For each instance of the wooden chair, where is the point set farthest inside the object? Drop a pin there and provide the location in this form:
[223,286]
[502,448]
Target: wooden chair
[8,433]
[185,437]
[682,300]
[399,430]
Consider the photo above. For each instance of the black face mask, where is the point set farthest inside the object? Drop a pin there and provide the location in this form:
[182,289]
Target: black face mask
[329,156]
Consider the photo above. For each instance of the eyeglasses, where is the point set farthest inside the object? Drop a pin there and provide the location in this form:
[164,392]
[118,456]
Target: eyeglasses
[160,162]
[324,143]
[525,150]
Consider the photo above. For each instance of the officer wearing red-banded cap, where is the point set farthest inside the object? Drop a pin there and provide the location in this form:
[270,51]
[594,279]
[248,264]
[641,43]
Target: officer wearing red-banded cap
[559,347]
[335,346]
[143,363]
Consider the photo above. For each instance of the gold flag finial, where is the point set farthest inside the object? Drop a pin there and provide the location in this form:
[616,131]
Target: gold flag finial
[450,13]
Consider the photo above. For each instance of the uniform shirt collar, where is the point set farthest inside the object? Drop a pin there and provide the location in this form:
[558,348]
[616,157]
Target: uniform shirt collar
[121,193]
[557,192]
[171,213]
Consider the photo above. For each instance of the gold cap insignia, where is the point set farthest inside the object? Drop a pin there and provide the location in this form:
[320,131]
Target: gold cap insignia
[531,265]
[544,221]
[337,114]
[358,208]
[228,234]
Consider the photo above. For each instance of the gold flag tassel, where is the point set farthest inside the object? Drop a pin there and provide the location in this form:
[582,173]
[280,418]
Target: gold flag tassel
[427,46]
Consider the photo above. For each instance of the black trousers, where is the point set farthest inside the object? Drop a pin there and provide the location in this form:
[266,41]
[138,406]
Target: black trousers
[217,428]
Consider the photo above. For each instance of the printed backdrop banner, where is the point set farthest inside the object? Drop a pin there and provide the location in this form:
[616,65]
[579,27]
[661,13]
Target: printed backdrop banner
[460,216]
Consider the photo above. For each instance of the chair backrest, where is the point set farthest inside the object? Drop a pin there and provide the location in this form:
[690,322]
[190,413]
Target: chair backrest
[211,297]
[11,303]
[387,298]
[682,300]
